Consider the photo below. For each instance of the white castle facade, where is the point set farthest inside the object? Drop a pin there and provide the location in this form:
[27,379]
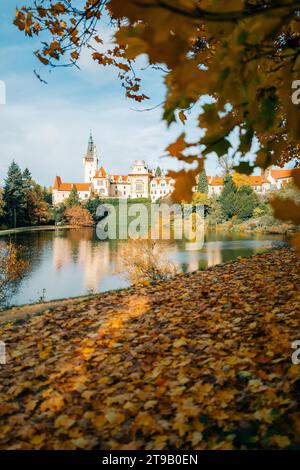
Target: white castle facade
[143,183]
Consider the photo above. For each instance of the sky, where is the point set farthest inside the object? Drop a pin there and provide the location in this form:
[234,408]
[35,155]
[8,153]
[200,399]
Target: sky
[45,127]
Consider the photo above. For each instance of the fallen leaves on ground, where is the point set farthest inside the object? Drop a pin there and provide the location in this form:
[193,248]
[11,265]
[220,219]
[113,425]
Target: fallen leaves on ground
[202,361]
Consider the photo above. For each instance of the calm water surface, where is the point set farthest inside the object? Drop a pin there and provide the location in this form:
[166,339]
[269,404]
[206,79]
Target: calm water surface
[69,263]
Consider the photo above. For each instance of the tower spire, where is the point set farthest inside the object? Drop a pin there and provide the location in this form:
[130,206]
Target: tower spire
[91,145]
[90,160]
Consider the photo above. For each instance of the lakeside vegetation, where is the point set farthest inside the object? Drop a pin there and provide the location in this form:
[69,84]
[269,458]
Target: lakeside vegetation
[25,203]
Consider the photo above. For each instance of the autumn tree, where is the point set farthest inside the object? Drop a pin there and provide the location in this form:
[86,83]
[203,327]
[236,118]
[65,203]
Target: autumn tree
[12,266]
[37,207]
[243,54]
[78,216]
[240,179]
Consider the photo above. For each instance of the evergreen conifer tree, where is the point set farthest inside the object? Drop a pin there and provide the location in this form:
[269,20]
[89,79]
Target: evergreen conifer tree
[228,198]
[73,199]
[28,188]
[14,196]
[158,171]
[202,183]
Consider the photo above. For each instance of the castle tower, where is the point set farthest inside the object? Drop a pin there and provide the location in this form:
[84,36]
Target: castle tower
[90,161]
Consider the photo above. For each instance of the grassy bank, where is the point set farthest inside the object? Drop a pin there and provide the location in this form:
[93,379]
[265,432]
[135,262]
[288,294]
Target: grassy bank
[202,361]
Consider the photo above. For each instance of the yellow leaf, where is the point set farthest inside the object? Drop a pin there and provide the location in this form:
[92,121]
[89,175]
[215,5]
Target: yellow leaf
[64,421]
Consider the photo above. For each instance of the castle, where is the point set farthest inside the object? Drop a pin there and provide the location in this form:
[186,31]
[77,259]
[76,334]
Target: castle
[139,183]
[143,183]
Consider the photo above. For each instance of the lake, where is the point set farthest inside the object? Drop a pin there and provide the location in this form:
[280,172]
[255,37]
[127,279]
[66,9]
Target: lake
[70,263]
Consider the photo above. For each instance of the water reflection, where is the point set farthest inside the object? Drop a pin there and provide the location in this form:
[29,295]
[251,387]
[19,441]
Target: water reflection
[67,263]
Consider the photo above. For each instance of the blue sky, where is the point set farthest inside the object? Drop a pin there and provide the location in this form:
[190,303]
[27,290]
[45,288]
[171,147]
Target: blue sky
[46,127]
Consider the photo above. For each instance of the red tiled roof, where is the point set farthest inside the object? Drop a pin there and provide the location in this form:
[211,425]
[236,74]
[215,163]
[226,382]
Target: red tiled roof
[280,174]
[57,182]
[215,181]
[123,180]
[256,180]
[69,186]
[78,186]
[101,173]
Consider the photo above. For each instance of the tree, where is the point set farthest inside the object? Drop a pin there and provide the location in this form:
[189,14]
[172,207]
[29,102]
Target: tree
[14,196]
[202,182]
[27,188]
[246,201]
[158,171]
[78,216]
[47,195]
[240,52]
[92,206]
[215,212]
[240,179]
[200,198]
[11,269]
[2,209]
[27,179]
[37,207]
[226,164]
[73,199]
[57,213]
[228,198]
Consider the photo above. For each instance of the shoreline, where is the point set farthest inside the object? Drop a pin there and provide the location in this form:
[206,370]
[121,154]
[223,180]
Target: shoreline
[24,312]
[282,229]
[40,228]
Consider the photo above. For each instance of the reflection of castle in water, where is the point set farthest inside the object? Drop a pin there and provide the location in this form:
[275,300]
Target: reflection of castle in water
[214,254]
[96,259]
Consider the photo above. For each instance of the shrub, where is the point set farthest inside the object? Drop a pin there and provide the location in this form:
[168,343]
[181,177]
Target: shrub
[145,260]
[257,212]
